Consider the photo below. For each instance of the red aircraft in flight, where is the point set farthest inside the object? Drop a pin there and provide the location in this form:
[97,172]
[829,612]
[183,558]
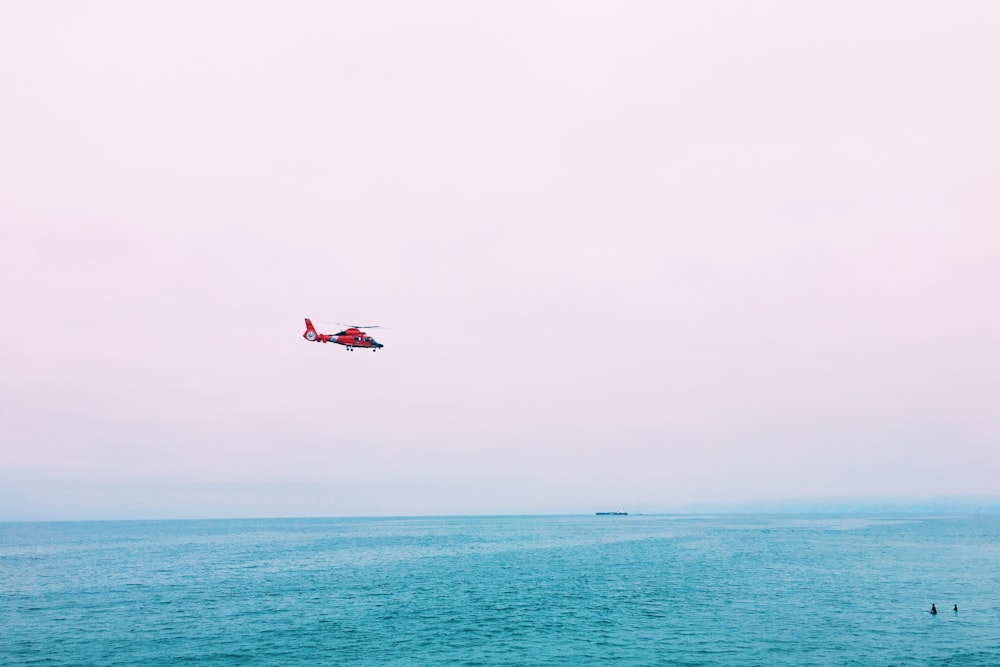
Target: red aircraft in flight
[351,337]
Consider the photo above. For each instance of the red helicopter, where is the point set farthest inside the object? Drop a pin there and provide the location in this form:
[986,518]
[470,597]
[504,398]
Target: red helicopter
[351,337]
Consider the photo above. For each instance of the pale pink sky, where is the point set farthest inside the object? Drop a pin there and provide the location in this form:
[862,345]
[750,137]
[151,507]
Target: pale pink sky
[630,255]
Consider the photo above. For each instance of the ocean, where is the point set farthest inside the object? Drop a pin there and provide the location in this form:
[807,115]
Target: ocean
[548,590]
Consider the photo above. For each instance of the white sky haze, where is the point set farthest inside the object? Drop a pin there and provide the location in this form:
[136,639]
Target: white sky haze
[635,254]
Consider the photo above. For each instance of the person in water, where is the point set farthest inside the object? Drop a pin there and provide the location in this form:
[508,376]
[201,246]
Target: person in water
[956,609]
[933,609]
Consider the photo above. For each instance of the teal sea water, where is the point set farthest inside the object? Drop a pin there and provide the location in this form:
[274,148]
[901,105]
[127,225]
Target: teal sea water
[581,590]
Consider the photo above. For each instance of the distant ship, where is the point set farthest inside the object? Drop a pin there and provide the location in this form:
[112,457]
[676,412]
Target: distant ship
[623,513]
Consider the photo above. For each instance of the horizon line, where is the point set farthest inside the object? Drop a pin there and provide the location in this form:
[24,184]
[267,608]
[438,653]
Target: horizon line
[936,507]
